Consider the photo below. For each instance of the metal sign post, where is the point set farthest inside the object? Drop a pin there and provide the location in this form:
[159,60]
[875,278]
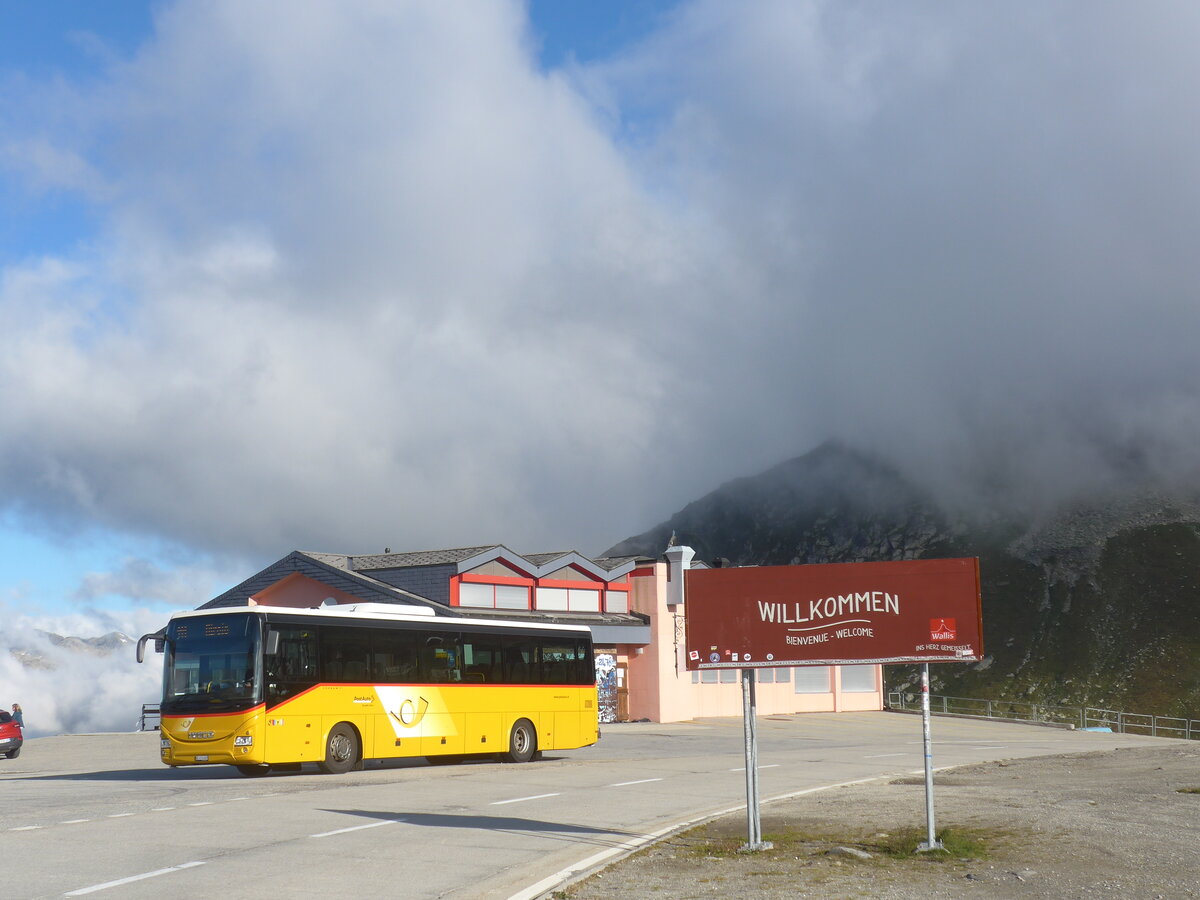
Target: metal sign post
[931,841]
[754,839]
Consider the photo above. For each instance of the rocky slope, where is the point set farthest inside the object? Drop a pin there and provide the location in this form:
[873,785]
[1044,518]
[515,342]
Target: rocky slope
[1097,604]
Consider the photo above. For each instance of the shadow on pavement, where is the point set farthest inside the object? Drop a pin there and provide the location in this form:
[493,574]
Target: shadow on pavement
[511,824]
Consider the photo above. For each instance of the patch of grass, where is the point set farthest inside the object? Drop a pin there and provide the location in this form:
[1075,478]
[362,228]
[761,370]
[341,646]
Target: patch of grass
[957,843]
[809,840]
[1188,790]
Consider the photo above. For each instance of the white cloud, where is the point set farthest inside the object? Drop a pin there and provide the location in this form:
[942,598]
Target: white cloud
[140,582]
[366,276]
[73,692]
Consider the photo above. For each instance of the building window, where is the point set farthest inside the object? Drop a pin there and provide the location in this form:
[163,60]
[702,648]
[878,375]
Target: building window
[568,600]
[728,676]
[583,601]
[783,676]
[512,596]
[493,596]
[708,676]
[766,676]
[812,680]
[552,599]
[616,601]
[476,595]
[858,679]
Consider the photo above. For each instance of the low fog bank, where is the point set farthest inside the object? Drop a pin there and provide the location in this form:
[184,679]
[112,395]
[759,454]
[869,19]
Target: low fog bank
[64,688]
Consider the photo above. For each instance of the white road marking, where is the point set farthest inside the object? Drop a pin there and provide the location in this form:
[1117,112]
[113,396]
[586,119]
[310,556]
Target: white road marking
[162,809]
[884,755]
[202,803]
[522,799]
[27,828]
[627,783]
[74,821]
[356,828]
[131,879]
[119,815]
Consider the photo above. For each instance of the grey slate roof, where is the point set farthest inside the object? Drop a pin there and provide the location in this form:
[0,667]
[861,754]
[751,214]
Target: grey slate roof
[541,561]
[323,567]
[608,563]
[419,558]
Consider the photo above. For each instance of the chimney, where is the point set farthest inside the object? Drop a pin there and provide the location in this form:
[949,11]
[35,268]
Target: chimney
[679,560]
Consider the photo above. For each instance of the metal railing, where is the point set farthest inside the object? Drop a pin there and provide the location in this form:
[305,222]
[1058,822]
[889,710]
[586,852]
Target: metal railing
[1071,716]
[150,717]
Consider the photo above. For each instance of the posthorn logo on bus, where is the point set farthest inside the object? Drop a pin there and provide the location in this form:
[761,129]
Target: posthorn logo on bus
[411,713]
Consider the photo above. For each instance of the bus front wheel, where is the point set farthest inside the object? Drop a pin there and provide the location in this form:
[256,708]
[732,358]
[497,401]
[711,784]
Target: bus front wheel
[522,742]
[341,750]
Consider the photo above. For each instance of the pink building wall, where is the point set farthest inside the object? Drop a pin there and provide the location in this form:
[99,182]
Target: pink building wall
[300,592]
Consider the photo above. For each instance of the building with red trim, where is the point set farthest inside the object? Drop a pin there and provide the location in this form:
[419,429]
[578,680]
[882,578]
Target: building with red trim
[633,605]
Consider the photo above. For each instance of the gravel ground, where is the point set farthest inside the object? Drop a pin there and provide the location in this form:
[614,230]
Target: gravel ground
[1118,824]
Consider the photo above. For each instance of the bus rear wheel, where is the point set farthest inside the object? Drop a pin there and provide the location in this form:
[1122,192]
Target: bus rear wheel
[522,742]
[341,750]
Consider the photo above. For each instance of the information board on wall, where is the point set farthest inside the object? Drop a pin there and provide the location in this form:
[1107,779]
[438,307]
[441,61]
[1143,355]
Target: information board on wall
[926,610]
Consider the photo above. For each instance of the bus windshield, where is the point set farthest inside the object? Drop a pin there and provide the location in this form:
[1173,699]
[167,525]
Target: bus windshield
[212,665]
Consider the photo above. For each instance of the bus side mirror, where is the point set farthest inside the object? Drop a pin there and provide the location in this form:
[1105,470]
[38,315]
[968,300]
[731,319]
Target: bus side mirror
[159,639]
[272,647]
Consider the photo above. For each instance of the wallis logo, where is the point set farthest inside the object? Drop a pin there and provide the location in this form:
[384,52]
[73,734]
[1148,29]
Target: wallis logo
[943,630]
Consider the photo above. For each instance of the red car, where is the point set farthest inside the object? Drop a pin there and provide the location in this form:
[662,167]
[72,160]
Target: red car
[10,736]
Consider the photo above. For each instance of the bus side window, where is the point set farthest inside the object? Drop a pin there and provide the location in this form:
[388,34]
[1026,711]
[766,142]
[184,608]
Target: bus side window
[520,660]
[440,657]
[585,665]
[558,661]
[394,657]
[481,659]
[344,655]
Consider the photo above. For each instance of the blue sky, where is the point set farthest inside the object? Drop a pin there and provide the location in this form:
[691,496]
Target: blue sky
[423,275]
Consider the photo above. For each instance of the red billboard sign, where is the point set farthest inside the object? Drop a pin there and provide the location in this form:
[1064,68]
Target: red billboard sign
[926,610]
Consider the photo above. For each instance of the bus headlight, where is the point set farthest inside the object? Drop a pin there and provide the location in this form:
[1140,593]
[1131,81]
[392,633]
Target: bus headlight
[243,740]
[164,743]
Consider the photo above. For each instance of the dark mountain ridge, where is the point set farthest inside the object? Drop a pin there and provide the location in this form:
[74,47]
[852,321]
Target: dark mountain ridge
[1096,603]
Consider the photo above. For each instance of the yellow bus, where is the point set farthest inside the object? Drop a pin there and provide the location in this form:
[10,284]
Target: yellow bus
[264,688]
